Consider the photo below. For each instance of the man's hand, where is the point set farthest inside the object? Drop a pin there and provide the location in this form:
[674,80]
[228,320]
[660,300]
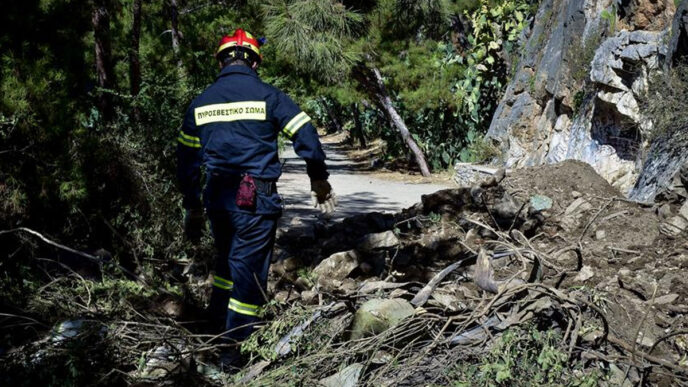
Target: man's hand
[323,197]
[194,224]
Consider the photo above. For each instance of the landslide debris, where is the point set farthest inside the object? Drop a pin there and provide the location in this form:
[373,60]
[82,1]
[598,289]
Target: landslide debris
[553,249]
[543,275]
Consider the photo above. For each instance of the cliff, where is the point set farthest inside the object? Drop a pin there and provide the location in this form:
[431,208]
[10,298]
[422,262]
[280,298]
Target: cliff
[577,89]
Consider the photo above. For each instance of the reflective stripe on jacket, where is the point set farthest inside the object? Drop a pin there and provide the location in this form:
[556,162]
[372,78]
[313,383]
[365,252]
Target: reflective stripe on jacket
[232,129]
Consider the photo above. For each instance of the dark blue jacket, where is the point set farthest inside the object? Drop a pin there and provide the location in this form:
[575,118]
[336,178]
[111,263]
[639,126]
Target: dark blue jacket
[232,128]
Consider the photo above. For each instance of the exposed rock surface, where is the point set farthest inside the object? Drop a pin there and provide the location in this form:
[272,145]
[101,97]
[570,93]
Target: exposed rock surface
[576,90]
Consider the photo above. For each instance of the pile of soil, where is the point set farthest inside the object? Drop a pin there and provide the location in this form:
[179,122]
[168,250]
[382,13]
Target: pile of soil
[586,243]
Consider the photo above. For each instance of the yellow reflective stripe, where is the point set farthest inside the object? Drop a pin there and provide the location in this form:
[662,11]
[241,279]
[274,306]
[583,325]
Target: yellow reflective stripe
[229,44]
[190,138]
[190,144]
[222,283]
[295,124]
[223,287]
[252,47]
[234,44]
[242,308]
[232,111]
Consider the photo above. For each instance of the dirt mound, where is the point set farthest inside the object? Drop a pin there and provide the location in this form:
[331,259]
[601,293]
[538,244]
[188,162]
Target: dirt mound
[562,182]
[555,246]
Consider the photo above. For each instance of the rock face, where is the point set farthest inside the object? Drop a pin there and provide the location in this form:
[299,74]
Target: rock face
[576,90]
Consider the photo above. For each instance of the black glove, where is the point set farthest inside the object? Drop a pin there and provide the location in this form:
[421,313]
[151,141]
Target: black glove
[194,224]
[323,197]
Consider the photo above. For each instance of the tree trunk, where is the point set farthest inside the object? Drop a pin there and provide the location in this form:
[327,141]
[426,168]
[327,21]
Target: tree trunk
[358,126]
[134,61]
[334,118]
[176,35]
[386,103]
[100,20]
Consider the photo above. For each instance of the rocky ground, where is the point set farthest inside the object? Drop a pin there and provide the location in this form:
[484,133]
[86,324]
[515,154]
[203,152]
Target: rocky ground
[554,246]
[543,275]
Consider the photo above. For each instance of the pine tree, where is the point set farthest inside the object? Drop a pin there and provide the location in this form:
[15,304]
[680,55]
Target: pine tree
[316,38]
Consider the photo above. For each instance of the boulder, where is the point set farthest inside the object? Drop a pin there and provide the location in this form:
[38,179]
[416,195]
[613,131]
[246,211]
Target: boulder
[377,315]
[337,266]
[380,240]
[163,361]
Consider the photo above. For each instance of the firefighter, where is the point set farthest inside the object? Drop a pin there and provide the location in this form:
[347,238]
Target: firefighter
[231,129]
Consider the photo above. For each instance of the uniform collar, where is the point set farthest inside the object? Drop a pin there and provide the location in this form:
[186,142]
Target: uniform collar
[237,69]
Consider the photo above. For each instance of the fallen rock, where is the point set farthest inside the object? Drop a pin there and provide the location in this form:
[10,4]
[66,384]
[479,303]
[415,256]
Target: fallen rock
[164,360]
[173,308]
[337,266]
[380,240]
[373,286]
[67,330]
[541,202]
[348,377]
[468,174]
[291,264]
[666,299]
[309,297]
[286,296]
[584,274]
[506,210]
[578,206]
[377,315]
[303,283]
[684,210]
[600,234]
[448,300]
[674,226]
[664,212]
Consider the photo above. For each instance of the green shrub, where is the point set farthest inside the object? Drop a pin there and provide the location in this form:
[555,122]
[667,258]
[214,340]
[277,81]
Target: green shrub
[666,101]
[524,357]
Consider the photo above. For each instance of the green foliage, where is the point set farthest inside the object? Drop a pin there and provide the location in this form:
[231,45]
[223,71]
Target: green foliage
[263,342]
[666,100]
[424,16]
[582,53]
[610,16]
[495,32]
[442,91]
[478,150]
[523,357]
[578,99]
[312,36]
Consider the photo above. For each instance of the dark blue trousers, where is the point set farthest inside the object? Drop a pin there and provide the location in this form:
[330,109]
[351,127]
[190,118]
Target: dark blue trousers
[244,242]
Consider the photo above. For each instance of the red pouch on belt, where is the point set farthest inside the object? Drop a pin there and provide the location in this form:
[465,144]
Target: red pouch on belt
[246,195]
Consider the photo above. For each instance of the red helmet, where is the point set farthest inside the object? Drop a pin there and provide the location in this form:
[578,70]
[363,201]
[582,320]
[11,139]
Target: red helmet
[240,42]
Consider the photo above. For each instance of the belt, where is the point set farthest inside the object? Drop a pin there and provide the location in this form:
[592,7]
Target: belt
[265,187]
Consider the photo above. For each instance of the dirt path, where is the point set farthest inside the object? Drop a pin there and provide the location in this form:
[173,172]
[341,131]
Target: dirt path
[358,191]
